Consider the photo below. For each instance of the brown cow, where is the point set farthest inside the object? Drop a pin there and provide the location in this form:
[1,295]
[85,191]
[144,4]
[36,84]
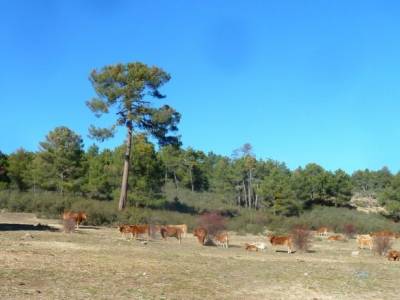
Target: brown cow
[124,229]
[336,238]
[135,230]
[201,234]
[393,255]
[182,227]
[281,240]
[78,217]
[171,232]
[322,231]
[250,247]
[222,239]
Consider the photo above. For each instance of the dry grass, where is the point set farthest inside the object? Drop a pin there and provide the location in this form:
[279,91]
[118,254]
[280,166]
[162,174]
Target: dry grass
[100,264]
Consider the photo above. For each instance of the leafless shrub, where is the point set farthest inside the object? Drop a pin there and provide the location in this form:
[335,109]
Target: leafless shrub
[301,237]
[212,222]
[349,230]
[69,225]
[382,244]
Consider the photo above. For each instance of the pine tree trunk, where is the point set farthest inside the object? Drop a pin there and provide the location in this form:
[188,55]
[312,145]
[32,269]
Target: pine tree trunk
[176,183]
[191,179]
[250,189]
[124,186]
[245,194]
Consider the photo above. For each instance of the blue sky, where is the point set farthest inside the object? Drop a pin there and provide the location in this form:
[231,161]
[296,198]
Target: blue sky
[302,81]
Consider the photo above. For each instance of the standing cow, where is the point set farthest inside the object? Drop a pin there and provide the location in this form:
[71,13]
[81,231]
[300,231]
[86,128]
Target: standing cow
[167,231]
[201,234]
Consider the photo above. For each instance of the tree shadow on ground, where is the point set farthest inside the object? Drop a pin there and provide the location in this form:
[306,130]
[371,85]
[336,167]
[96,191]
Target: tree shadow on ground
[285,251]
[26,227]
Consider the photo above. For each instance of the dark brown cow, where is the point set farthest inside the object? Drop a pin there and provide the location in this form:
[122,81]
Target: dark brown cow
[78,217]
[167,231]
[281,240]
[393,255]
[201,234]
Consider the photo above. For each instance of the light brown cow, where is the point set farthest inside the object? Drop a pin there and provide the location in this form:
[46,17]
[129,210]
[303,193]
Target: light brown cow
[393,255]
[182,227]
[322,231]
[222,239]
[201,234]
[383,233]
[281,240]
[78,217]
[167,231]
[364,240]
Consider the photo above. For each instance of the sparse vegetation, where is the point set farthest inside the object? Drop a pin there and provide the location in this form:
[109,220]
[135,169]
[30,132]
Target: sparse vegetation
[301,237]
[382,244]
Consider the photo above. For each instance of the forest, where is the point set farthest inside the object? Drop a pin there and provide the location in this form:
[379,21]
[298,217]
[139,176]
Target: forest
[165,175]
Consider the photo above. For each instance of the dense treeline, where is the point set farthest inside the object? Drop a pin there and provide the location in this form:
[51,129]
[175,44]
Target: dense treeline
[63,166]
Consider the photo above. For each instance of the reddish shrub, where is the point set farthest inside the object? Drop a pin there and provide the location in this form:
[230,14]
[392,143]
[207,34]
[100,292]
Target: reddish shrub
[382,244]
[349,230]
[213,222]
[301,237]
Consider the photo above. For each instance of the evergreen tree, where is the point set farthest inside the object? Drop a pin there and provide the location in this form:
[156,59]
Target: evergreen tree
[59,161]
[127,88]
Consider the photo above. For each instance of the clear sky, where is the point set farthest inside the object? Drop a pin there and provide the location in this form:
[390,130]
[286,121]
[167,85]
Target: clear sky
[302,81]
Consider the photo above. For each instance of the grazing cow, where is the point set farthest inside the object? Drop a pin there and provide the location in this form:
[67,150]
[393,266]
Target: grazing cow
[393,255]
[251,247]
[78,217]
[135,230]
[201,234]
[261,246]
[322,231]
[182,227]
[167,231]
[222,239]
[336,238]
[364,240]
[281,240]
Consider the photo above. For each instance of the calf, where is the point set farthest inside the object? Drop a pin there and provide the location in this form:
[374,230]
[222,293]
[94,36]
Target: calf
[393,255]
[281,240]
[322,231]
[201,234]
[167,231]
[222,239]
[364,240]
[250,247]
[261,246]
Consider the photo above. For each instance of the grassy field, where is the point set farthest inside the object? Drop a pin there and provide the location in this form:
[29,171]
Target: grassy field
[97,263]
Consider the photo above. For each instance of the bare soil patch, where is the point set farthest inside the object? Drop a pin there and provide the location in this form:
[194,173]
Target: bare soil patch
[98,263]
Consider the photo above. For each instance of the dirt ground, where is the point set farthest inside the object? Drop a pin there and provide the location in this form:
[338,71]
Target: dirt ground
[37,262]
